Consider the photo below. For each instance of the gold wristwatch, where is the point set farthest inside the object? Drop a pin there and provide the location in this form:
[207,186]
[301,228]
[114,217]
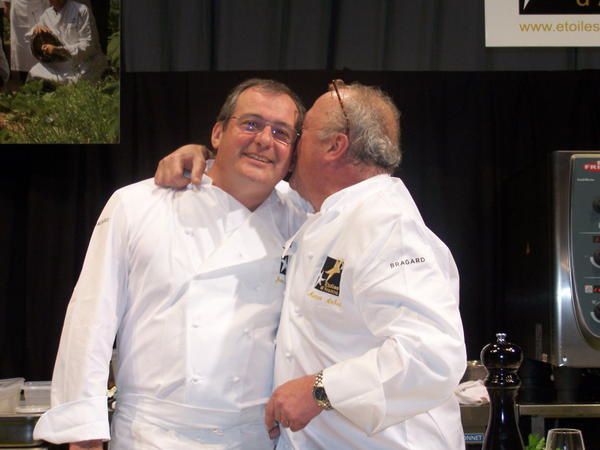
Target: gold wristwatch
[319,393]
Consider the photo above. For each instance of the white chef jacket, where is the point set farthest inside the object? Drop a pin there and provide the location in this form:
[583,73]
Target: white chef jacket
[190,283]
[75,27]
[24,14]
[372,297]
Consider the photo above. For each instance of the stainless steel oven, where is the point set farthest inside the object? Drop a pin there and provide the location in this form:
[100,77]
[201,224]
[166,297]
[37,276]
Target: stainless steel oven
[551,260]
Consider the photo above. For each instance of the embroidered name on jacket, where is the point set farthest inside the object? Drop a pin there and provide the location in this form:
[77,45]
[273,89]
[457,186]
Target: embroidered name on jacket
[330,277]
[406,262]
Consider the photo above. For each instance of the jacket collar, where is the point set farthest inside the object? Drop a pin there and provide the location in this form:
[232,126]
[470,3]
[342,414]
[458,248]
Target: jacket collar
[352,194]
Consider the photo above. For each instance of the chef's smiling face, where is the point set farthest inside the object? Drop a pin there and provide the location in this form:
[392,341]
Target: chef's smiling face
[246,156]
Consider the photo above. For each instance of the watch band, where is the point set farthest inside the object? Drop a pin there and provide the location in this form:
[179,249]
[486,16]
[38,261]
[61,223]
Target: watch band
[319,393]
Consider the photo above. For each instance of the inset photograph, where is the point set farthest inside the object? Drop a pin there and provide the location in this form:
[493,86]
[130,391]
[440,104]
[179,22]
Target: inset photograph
[60,71]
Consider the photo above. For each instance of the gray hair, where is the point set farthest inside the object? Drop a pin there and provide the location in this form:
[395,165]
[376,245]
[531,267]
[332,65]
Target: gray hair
[374,124]
[264,85]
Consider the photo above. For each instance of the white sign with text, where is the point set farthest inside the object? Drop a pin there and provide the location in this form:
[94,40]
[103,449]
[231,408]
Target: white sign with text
[542,23]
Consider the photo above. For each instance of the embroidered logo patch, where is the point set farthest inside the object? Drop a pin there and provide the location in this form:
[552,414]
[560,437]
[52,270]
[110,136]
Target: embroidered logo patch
[330,277]
[283,265]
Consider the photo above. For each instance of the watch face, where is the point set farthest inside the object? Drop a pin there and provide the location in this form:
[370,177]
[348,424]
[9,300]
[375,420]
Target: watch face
[320,394]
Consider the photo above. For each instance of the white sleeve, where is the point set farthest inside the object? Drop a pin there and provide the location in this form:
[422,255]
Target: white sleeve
[79,383]
[83,47]
[42,21]
[28,37]
[413,309]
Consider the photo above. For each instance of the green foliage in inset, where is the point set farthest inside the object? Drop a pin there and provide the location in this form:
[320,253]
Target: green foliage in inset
[113,50]
[114,17]
[80,113]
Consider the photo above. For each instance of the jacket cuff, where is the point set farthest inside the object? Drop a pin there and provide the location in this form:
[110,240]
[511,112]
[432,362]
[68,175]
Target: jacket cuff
[76,421]
[350,392]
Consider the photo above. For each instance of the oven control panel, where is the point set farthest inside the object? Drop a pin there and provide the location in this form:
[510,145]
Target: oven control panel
[584,225]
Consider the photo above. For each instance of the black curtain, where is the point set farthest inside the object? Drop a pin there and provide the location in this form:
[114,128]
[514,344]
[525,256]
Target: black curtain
[464,135]
[183,35]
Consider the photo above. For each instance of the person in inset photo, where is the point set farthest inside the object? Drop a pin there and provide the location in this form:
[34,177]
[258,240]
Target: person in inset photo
[65,42]
[23,15]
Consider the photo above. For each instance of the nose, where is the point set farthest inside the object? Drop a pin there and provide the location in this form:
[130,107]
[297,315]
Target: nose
[265,137]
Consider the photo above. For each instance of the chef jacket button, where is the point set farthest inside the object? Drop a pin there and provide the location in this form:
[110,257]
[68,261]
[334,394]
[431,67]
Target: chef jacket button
[236,379]
[288,355]
[218,431]
[297,310]
[189,231]
[310,255]
[246,330]
[196,379]
[195,325]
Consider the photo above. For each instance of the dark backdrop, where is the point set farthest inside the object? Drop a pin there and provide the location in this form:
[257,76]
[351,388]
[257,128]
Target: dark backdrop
[464,135]
[183,35]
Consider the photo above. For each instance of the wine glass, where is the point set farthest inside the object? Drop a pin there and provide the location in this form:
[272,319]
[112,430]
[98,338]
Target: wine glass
[564,439]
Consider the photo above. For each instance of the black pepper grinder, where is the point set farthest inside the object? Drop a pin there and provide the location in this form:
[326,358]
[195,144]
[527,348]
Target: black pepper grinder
[502,360]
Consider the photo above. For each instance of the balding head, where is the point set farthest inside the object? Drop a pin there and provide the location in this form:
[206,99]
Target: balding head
[374,125]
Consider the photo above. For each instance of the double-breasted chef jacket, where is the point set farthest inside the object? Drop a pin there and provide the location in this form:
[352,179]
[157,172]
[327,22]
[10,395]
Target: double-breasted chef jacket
[372,298]
[189,282]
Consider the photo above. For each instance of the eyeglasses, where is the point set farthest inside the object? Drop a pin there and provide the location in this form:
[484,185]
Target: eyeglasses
[335,83]
[255,124]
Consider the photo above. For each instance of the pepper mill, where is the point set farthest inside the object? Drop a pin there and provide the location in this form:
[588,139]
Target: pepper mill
[502,360]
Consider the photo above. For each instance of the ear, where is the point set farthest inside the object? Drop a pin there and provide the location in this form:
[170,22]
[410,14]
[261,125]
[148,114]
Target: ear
[216,135]
[338,149]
